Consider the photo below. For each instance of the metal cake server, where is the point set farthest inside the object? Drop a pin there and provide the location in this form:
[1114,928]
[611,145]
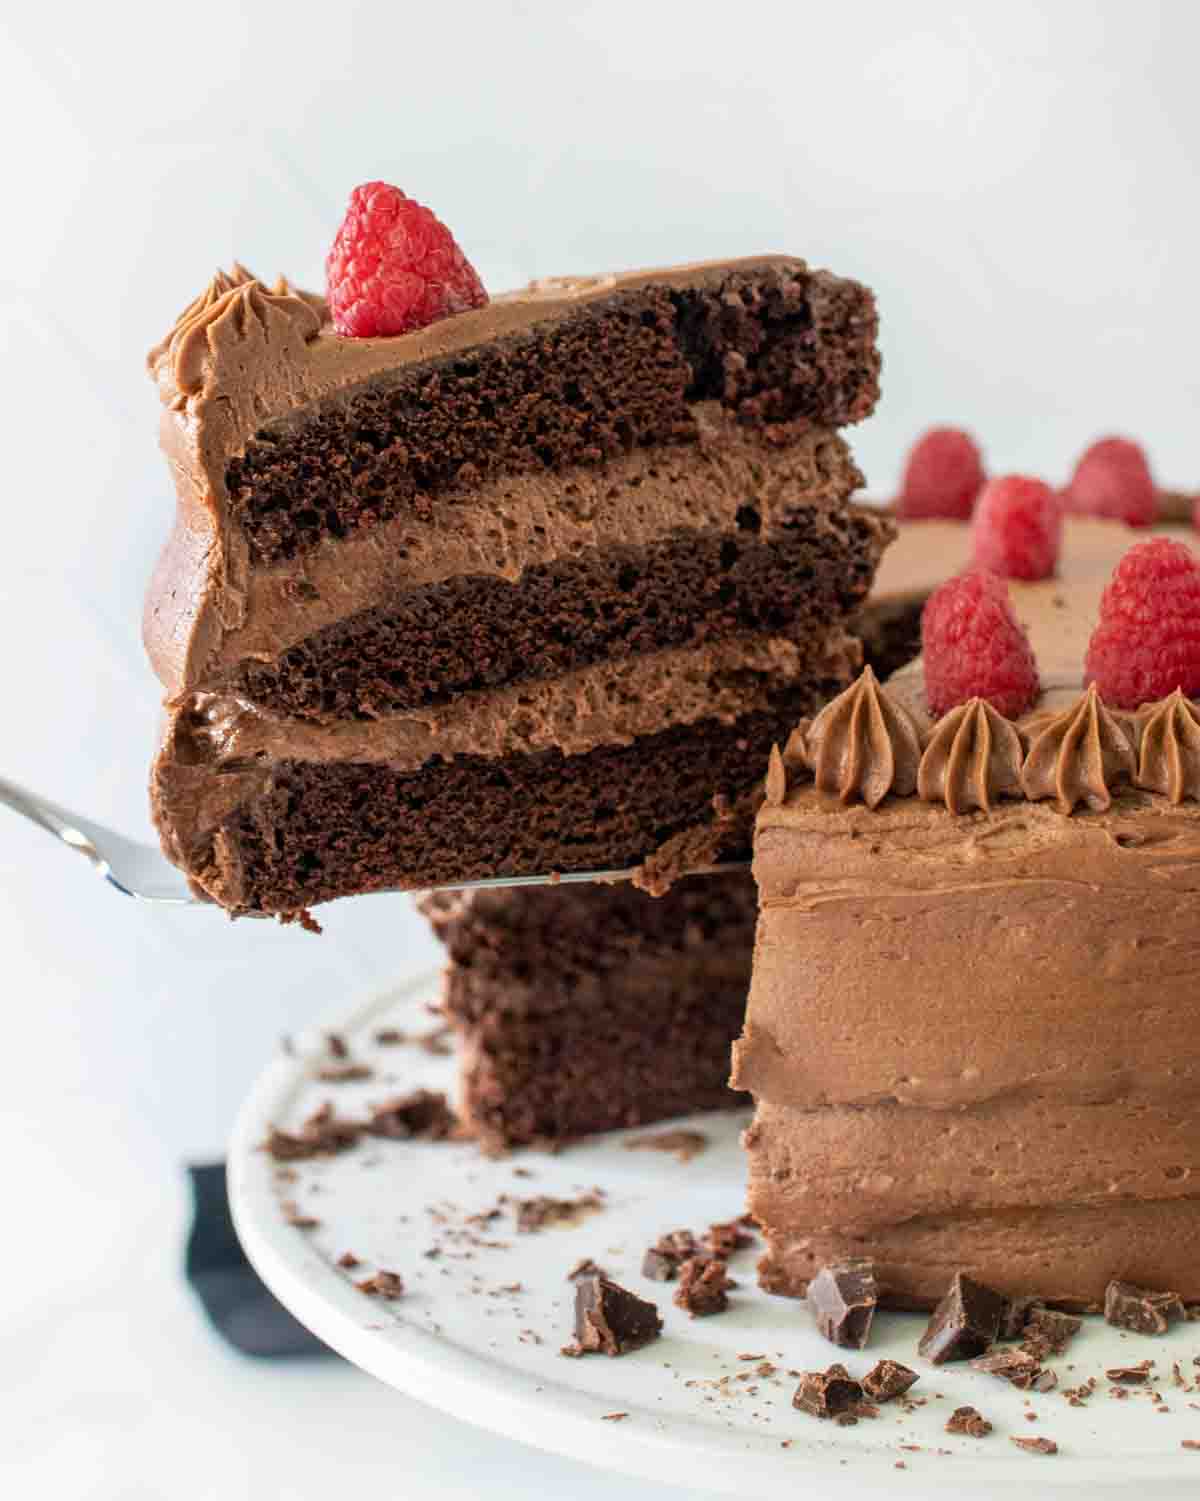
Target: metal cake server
[144,872]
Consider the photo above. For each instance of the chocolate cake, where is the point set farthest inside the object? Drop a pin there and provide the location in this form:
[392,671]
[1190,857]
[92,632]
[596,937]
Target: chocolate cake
[971,1042]
[532,588]
[585,1007]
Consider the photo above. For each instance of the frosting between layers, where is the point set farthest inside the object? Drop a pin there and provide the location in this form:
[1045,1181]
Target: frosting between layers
[607,703]
[505,526]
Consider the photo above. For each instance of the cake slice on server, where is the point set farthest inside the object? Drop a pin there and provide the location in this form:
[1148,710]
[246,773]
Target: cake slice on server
[463,588]
[971,1029]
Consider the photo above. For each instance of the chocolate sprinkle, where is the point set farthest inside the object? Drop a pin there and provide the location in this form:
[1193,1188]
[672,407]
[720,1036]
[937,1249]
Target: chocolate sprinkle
[611,1320]
[843,1299]
[964,1323]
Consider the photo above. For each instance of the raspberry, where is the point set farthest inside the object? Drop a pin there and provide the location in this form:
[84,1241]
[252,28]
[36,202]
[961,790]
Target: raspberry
[1112,480]
[1017,528]
[974,647]
[942,477]
[395,267]
[1147,641]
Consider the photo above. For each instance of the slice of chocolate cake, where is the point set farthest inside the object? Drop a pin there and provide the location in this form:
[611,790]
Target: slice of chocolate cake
[532,588]
[581,1008]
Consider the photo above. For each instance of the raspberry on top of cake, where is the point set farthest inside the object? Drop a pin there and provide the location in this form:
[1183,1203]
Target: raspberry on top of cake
[971,1029]
[465,587]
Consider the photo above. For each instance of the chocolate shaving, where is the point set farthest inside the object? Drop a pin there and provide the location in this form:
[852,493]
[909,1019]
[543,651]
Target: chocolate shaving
[703,1287]
[1141,1310]
[1035,1445]
[388,1285]
[1014,1366]
[888,1379]
[827,1393]
[343,1073]
[970,1421]
[423,1113]
[682,1144]
[538,1213]
[1131,1375]
[321,1135]
[663,1259]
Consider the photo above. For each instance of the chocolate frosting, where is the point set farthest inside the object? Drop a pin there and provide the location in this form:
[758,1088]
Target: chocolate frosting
[973,759]
[863,745]
[1170,748]
[1079,756]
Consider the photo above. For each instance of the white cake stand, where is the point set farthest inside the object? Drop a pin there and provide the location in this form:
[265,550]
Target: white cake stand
[479,1330]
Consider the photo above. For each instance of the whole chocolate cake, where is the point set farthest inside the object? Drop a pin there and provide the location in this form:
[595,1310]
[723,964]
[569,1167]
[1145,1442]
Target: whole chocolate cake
[971,1029]
[532,588]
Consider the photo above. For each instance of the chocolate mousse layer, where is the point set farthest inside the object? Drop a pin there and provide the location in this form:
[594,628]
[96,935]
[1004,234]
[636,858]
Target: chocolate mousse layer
[970,1037]
[508,594]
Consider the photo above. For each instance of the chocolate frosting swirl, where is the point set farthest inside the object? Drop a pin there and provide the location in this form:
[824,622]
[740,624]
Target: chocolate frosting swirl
[224,309]
[863,745]
[1170,748]
[1079,756]
[973,758]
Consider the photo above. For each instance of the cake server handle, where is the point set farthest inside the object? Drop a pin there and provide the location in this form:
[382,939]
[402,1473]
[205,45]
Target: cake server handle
[144,872]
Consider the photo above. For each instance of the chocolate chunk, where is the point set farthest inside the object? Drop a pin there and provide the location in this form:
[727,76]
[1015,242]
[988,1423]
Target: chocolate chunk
[970,1421]
[964,1323]
[348,1260]
[662,1261]
[1016,1366]
[1140,1309]
[1131,1375]
[843,1299]
[888,1379]
[725,1238]
[1048,1332]
[703,1286]
[610,1320]
[1036,1445]
[585,1268]
[1016,1315]
[389,1285]
[422,1113]
[824,1394]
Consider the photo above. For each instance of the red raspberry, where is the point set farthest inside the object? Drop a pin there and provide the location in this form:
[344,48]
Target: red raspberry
[1147,641]
[1017,528]
[395,267]
[973,647]
[942,477]
[1113,480]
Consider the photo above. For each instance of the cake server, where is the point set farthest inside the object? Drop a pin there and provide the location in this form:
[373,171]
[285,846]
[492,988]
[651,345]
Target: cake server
[144,872]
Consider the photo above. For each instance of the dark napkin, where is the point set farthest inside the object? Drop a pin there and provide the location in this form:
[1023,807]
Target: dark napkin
[240,1306]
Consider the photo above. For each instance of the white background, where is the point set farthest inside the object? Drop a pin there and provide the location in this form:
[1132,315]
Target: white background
[1017,181]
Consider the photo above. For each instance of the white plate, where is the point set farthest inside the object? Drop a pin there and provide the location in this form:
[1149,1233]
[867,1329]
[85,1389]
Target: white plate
[461,1342]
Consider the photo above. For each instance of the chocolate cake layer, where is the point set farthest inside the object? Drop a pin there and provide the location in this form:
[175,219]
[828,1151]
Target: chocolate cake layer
[566,1001]
[313,830]
[473,633]
[620,371]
